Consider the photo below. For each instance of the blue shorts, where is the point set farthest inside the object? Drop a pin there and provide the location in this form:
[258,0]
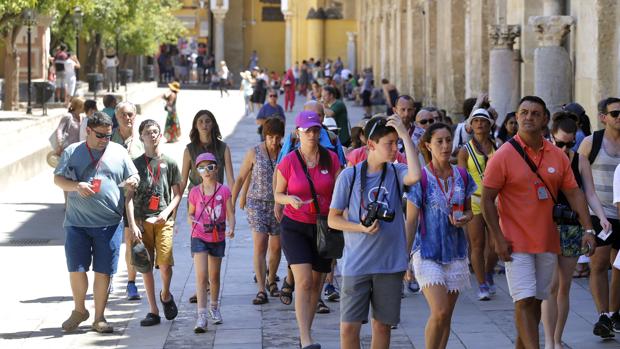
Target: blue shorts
[101,245]
[215,249]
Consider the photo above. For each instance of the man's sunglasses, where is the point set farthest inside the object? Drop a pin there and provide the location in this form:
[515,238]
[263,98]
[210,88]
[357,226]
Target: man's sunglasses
[426,121]
[209,167]
[568,145]
[614,113]
[102,135]
[273,95]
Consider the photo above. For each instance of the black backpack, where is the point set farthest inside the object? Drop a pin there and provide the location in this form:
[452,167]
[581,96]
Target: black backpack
[597,142]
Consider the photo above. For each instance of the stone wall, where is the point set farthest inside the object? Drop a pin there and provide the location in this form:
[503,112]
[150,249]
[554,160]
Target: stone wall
[439,51]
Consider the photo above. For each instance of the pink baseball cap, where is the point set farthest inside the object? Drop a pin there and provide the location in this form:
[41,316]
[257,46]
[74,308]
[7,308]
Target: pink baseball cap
[307,119]
[205,157]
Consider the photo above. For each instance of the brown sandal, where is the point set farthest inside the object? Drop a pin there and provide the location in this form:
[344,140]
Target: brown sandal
[261,298]
[273,289]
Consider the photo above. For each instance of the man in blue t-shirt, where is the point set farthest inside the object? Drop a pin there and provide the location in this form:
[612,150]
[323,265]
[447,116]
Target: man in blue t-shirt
[94,173]
[268,110]
[369,274]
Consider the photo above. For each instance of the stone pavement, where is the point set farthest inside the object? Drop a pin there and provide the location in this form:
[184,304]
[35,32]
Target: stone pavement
[36,294]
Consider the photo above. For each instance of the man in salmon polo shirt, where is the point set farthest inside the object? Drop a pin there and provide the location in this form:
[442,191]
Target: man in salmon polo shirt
[527,238]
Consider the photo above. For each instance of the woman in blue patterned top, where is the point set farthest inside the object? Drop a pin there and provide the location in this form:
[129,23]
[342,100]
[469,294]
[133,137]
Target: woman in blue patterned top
[441,201]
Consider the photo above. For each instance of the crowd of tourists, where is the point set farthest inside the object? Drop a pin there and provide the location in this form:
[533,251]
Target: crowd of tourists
[403,198]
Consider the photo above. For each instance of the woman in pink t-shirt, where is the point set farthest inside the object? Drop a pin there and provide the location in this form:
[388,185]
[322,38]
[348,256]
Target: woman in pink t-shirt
[298,226]
[210,206]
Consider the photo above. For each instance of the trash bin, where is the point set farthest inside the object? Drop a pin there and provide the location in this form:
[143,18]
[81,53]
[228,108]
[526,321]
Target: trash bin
[95,82]
[149,72]
[44,91]
[126,76]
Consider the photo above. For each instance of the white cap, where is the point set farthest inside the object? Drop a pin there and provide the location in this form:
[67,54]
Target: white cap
[330,123]
[480,114]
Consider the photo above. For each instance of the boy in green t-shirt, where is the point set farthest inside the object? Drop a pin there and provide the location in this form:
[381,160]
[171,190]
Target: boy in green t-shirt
[149,210]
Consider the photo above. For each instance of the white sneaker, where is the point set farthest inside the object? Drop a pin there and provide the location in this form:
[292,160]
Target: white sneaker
[483,293]
[492,289]
[201,323]
[215,315]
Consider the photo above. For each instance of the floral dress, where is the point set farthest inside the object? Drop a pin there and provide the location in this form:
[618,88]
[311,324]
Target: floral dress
[172,130]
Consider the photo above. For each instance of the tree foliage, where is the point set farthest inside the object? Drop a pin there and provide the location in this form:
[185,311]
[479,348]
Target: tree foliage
[140,25]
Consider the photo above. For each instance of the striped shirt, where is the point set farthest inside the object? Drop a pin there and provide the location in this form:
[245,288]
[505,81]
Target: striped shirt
[603,169]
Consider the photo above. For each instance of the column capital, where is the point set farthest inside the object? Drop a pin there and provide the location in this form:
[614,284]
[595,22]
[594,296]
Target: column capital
[219,14]
[503,36]
[288,15]
[551,30]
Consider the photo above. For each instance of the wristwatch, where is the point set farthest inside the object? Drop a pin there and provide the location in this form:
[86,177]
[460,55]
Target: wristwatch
[590,231]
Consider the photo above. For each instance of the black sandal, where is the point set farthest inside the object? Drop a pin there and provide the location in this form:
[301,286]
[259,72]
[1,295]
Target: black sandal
[322,308]
[261,298]
[273,289]
[286,292]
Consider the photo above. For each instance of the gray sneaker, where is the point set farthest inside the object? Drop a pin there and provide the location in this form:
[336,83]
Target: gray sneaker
[201,323]
[216,316]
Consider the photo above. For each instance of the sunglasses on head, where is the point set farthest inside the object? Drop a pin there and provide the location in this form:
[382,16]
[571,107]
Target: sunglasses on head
[102,135]
[568,145]
[381,122]
[614,113]
[426,121]
[209,167]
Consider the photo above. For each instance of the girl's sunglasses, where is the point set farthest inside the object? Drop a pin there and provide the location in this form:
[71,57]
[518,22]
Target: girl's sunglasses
[209,167]
[568,145]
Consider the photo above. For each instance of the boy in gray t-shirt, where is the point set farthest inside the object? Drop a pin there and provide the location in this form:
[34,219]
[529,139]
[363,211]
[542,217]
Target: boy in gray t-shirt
[376,245]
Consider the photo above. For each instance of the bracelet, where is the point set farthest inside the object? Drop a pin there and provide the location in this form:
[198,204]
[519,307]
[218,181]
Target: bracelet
[590,231]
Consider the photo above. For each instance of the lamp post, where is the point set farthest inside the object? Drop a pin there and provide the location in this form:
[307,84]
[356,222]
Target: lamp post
[77,21]
[117,31]
[28,17]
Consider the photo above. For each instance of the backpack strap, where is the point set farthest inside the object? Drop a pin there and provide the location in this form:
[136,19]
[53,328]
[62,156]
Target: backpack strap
[400,194]
[463,173]
[597,142]
[352,183]
[424,185]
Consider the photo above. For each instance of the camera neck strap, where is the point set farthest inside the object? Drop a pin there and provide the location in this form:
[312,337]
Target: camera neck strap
[530,164]
[315,199]
[363,172]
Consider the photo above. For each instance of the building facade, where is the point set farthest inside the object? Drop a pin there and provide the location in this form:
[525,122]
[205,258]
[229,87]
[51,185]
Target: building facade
[443,51]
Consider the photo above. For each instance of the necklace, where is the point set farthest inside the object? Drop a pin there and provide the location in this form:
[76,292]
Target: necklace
[309,162]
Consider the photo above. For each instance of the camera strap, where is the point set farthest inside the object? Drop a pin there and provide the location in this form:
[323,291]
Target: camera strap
[363,172]
[531,165]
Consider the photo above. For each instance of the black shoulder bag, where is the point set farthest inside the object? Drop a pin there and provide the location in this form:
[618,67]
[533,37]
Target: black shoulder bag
[329,242]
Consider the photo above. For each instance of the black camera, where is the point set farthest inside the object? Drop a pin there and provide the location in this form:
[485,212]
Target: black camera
[376,210]
[563,215]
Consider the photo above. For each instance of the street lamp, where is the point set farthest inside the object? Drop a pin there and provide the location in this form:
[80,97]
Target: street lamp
[29,20]
[77,21]
[117,31]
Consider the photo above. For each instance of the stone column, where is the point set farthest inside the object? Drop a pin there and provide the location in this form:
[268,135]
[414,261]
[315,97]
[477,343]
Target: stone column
[504,70]
[397,46]
[219,15]
[351,51]
[383,48]
[552,65]
[288,39]
[316,33]
[430,55]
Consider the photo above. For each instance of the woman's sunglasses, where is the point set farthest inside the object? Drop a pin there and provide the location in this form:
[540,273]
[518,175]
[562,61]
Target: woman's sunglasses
[426,121]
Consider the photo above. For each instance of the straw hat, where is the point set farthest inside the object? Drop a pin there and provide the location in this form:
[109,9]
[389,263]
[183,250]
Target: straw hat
[175,86]
[52,159]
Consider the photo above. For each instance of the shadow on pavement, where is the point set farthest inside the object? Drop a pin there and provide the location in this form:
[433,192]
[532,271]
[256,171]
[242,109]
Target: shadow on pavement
[35,224]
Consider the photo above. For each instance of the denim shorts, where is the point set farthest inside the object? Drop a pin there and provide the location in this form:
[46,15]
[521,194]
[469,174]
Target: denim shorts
[100,245]
[215,249]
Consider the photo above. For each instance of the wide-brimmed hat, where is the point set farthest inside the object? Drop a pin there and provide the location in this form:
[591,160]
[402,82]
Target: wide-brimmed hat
[140,258]
[480,114]
[175,86]
[52,159]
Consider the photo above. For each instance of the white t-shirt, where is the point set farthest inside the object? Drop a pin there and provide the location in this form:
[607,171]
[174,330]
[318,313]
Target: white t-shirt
[617,185]
[69,68]
[110,62]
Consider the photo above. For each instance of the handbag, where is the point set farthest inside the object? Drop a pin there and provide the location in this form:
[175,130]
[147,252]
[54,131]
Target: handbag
[65,133]
[329,242]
